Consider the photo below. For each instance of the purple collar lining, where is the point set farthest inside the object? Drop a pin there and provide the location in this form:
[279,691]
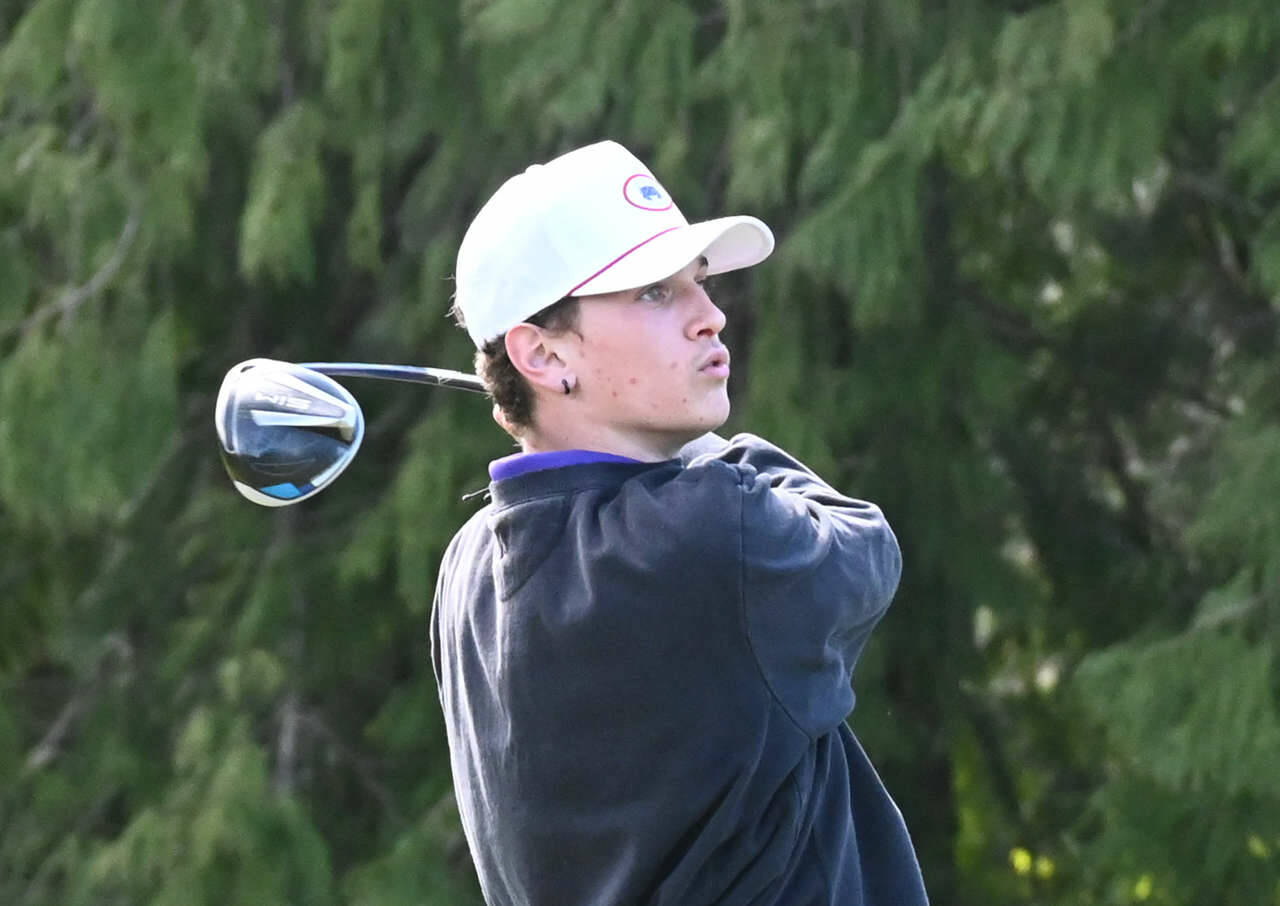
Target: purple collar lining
[522,463]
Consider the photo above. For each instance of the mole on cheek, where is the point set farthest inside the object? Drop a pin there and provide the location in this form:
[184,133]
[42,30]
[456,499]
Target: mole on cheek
[633,380]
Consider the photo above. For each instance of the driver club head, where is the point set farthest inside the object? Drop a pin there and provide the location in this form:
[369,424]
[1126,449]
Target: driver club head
[285,432]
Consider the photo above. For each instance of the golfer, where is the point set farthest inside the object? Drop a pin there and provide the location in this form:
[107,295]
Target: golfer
[644,643]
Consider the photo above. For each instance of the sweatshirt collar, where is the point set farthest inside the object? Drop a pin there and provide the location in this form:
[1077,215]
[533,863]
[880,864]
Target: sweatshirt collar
[523,463]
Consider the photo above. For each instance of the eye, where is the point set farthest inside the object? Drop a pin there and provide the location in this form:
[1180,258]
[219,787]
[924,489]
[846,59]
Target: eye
[658,292]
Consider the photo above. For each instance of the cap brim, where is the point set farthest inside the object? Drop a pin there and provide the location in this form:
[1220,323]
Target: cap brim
[728,244]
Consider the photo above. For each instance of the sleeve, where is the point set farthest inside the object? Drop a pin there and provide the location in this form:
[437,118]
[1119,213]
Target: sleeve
[819,569]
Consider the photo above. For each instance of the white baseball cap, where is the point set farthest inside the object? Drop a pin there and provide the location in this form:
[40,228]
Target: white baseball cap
[591,221]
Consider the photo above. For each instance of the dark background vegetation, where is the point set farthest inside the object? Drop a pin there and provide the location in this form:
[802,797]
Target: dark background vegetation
[1025,298]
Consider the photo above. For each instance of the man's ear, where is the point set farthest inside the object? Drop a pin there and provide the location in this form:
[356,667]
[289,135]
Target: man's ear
[533,354]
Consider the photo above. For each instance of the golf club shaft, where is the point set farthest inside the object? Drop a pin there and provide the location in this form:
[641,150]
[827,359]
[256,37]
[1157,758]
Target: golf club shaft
[414,374]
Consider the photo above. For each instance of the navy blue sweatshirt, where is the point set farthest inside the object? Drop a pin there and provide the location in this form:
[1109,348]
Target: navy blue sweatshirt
[645,670]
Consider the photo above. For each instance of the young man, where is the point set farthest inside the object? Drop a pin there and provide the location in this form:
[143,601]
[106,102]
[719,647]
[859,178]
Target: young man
[644,643]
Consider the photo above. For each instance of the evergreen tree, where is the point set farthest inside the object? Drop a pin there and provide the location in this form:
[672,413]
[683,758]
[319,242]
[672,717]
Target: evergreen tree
[1025,297]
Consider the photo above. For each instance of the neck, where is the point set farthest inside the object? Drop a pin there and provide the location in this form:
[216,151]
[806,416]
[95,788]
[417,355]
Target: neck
[646,448]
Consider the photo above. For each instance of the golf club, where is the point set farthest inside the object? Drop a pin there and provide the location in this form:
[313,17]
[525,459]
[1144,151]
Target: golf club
[286,431]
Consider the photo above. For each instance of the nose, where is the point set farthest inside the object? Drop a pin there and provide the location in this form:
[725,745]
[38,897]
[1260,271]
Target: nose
[708,319]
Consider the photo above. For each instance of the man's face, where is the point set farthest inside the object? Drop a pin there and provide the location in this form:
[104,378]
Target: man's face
[649,361]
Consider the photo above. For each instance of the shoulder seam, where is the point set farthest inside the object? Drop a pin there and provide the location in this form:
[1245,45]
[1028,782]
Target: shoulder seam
[746,621]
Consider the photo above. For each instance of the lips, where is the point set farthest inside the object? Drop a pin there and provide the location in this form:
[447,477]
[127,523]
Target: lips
[716,364]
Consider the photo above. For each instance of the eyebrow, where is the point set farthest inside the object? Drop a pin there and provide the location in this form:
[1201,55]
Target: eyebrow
[702,264]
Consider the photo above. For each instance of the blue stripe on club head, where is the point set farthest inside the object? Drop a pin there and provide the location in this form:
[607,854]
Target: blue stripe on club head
[286,491]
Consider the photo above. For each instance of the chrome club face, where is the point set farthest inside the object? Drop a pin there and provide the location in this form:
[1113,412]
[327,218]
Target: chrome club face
[285,431]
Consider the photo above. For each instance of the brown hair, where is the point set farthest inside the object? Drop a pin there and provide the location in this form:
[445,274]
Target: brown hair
[510,391]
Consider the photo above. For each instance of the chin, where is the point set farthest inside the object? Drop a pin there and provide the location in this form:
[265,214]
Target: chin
[721,413]
[712,418]
[695,421]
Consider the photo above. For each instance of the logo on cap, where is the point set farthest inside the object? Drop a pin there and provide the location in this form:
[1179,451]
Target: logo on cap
[643,191]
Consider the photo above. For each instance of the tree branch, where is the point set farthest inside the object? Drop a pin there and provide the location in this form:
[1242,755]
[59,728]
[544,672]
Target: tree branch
[77,296]
[1007,324]
[988,737]
[287,742]
[1138,24]
[1116,458]
[55,739]
[364,773]
[1207,189]
[51,744]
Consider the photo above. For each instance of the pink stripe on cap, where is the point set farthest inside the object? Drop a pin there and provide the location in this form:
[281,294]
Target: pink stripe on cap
[620,257]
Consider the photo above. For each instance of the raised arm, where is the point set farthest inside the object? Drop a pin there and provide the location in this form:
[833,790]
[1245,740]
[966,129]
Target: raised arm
[818,571]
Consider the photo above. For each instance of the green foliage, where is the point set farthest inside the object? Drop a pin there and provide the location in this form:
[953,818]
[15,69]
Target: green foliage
[1231,520]
[32,62]
[403,875]
[286,194]
[1191,712]
[1025,298]
[220,836]
[88,414]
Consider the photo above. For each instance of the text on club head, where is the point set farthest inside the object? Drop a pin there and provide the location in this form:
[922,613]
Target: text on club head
[284,401]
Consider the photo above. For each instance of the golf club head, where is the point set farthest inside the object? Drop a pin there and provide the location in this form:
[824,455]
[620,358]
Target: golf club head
[285,432]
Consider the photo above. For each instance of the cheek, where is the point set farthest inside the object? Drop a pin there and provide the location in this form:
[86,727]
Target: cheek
[625,369]
[612,371]
[633,366]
